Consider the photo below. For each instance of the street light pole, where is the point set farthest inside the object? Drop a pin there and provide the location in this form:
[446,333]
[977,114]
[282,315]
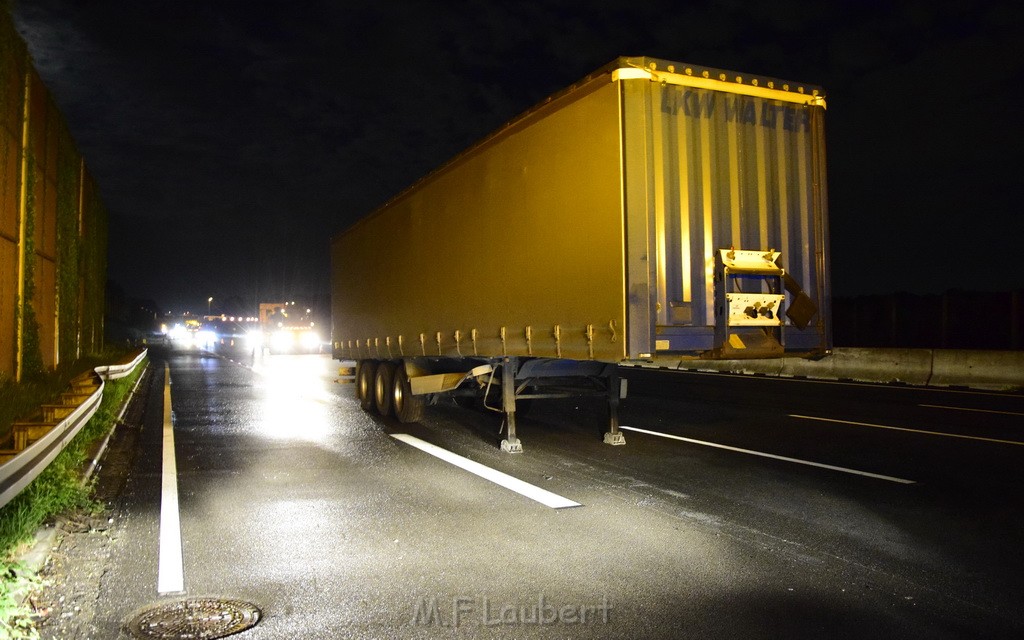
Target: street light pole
[209,305]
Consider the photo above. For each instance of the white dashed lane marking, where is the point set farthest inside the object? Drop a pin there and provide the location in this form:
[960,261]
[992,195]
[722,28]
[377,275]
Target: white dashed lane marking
[773,456]
[533,492]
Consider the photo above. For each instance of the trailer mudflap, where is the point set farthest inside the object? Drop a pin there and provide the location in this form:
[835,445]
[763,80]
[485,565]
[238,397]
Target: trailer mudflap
[802,309]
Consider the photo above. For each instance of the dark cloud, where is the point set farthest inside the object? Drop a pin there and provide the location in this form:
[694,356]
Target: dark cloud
[230,140]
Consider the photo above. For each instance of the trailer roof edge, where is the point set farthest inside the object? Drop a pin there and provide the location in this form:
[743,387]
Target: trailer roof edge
[686,75]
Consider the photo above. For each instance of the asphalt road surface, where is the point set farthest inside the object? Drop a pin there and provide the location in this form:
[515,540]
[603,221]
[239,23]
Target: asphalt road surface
[739,507]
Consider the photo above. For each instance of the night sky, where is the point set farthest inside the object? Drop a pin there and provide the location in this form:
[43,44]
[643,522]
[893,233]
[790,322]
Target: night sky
[231,140]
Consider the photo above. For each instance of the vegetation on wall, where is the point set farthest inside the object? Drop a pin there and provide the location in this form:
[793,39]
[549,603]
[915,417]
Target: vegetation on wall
[32,356]
[94,272]
[68,248]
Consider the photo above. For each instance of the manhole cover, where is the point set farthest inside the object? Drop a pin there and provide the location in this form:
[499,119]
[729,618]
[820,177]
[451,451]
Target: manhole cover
[194,619]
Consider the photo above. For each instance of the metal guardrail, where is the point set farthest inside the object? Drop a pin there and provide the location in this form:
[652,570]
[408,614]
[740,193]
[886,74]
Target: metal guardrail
[115,371]
[22,469]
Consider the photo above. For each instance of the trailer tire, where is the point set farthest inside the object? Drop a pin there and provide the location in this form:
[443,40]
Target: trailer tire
[382,388]
[366,374]
[407,407]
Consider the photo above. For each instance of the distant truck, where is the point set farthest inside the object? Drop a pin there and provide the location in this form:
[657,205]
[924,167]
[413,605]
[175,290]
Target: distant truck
[652,212]
[289,328]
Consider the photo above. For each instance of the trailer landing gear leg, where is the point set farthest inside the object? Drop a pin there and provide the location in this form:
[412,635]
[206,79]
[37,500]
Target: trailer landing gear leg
[614,436]
[510,444]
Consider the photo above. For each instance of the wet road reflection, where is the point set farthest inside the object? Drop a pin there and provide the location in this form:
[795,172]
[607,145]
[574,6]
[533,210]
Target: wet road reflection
[293,399]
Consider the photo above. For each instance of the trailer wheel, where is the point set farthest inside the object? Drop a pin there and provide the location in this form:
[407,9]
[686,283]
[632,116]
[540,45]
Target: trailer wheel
[407,407]
[382,387]
[366,374]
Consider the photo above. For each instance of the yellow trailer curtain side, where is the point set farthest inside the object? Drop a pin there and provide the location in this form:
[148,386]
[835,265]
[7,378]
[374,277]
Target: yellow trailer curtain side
[490,255]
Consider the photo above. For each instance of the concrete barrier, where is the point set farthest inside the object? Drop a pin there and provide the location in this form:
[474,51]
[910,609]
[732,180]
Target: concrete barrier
[979,369]
[993,370]
[910,366]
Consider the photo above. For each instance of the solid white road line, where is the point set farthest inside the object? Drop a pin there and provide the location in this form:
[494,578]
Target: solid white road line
[762,454]
[942,406]
[542,496]
[170,576]
[921,431]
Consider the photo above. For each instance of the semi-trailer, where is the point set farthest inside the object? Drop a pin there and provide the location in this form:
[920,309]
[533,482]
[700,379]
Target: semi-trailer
[652,212]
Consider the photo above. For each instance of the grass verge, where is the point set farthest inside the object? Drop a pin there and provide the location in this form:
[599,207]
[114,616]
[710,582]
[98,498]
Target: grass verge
[57,490]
